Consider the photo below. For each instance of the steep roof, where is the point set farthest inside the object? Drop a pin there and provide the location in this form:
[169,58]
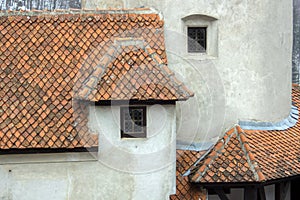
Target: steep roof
[252,156]
[49,59]
[184,189]
[228,161]
[131,70]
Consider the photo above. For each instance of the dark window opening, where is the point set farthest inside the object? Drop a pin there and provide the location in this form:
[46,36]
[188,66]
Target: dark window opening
[133,122]
[197,39]
[212,191]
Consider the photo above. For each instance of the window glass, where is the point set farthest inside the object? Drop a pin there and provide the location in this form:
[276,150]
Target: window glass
[197,39]
[133,122]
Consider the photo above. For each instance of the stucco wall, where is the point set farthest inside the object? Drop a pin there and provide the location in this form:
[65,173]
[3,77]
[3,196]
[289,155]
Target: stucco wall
[250,76]
[127,169]
[80,181]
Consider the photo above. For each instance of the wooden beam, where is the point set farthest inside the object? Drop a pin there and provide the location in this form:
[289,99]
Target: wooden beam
[277,191]
[220,192]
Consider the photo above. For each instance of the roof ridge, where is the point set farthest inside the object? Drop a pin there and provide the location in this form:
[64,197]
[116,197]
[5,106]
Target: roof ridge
[253,165]
[95,76]
[213,154]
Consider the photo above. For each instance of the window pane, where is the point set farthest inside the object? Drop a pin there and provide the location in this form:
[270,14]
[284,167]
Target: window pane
[197,39]
[138,129]
[133,121]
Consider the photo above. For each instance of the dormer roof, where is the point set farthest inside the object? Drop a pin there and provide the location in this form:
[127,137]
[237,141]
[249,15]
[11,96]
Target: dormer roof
[131,70]
[49,59]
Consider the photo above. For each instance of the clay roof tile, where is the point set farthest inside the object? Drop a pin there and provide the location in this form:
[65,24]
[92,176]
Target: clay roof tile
[47,57]
[252,155]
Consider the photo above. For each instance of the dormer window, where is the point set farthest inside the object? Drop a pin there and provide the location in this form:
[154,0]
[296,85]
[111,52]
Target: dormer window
[197,39]
[133,122]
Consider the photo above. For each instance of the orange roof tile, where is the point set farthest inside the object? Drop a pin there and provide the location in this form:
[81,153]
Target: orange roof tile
[184,189]
[248,156]
[44,55]
[228,161]
[132,73]
[277,152]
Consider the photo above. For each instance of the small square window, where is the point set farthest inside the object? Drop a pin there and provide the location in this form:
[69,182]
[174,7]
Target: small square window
[133,122]
[197,39]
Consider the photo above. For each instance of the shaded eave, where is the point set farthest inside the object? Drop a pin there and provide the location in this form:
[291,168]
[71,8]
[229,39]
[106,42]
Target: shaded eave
[246,184]
[46,150]
[133,102]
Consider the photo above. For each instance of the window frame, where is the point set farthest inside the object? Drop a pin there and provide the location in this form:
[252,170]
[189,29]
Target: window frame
[211,25]
[142,134]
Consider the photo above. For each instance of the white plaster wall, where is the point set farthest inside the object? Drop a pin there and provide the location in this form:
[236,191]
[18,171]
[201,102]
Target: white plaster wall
[154,155]
[249,79]
[80,181]
[127,169]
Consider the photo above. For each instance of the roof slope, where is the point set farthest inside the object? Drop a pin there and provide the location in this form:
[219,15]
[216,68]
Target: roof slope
[252,156]
[277,152]
[228,161]
[132,71]
[44,54]
[184,189]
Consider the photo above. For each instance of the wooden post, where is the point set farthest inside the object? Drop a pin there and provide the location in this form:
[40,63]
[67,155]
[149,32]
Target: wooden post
[220,192]
[261,193]
[250,193]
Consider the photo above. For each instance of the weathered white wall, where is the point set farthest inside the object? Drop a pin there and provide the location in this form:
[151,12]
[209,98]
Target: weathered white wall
[127,169]
[80,180]
[248,79]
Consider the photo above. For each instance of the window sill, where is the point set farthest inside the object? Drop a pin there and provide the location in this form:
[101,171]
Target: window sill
[134,138]
[199,56]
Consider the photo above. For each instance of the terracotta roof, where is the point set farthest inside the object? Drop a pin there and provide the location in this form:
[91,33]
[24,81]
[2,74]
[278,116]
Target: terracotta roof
[44,56]
[132,71]
[226,162]
[252,156]
[184,189]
